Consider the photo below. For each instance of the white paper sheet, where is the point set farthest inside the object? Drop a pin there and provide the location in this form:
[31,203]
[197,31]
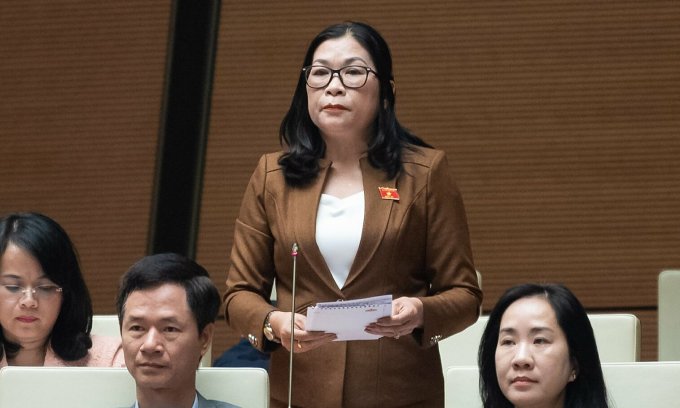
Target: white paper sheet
[348,319]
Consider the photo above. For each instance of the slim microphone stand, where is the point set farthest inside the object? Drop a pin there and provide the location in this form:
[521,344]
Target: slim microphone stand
[294,254]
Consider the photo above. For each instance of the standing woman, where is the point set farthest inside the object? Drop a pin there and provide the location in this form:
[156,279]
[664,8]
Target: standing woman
[45,307]
[374,211]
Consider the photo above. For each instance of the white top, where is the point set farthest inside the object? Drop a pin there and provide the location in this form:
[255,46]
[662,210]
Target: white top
[339,223]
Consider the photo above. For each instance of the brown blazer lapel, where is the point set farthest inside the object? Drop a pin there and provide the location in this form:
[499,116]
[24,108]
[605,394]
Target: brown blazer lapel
[376,216]
[303,210]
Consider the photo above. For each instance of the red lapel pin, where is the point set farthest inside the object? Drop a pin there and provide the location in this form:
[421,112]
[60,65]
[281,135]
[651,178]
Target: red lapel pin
[388,193]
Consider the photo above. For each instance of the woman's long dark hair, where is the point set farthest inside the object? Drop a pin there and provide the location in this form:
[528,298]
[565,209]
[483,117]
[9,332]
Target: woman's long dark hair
[588,389]
[48,243]
[300,136]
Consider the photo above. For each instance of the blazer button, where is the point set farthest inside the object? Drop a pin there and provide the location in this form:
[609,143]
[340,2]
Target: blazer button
[435,339]
[253,340]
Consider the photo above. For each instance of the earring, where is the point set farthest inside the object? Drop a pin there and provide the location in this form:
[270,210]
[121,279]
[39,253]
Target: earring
[572,377]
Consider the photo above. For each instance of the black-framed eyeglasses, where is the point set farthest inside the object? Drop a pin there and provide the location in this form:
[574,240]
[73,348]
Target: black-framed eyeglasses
[351,76]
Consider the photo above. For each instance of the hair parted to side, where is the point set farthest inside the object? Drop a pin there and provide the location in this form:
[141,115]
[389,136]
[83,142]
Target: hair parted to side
[588,389]
[153,271]
[46,241]
[300,137]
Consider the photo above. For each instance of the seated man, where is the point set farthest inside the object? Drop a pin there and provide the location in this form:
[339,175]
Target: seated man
[167,306]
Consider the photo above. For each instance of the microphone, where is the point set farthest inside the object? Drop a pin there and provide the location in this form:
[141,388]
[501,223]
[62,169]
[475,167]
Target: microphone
[294,253]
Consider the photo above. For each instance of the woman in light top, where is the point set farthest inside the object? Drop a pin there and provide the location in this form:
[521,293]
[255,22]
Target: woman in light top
[374,211]
[538,350]
[45,307]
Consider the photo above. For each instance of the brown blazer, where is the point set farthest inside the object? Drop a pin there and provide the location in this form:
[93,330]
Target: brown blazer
[417,246]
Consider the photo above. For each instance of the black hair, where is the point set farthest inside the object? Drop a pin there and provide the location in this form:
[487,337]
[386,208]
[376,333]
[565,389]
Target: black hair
[153,271]
[46,241]
[300,136]
[588,389]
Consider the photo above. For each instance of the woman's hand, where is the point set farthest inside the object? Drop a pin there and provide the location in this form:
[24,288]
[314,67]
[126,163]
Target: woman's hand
[407,315]
[304,340]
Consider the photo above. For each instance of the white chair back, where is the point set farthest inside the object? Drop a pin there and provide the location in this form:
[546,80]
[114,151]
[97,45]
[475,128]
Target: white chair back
[629,385]
[107,325]
[62,387]
[643,384]
[461,387]
[86,387]
[669,315]
[461,348]
[617,336]
[246,387]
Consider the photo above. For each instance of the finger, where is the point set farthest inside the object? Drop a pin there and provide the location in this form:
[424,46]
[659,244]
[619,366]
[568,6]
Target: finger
[316,337]
[386,324]
[395,332]
[399,305]
[305,337]
[381,331]
[304,346]
[386,321]
[322,336]
[310,334]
